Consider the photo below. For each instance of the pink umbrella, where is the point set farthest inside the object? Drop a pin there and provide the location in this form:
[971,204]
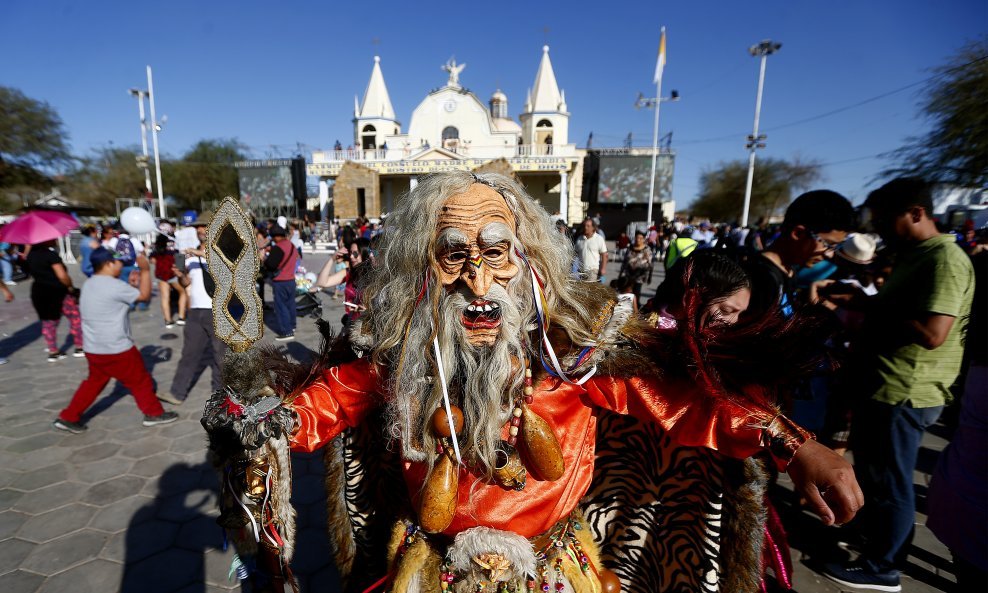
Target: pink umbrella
[37,226]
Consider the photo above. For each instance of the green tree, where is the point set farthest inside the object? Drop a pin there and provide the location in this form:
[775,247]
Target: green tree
[205,173]
[32,146]
[105,175]
[955,150]
[775,182]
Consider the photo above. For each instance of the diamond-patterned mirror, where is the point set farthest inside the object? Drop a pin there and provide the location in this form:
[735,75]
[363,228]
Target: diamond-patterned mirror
[230,244]
[235,307]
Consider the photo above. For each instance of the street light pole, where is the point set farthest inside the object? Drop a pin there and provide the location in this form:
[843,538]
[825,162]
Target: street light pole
[654,103]
[154,138]
[139,94]
[655,155]
[763,50]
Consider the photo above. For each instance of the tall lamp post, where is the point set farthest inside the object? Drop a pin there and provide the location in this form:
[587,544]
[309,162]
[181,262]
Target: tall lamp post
[755,141]
[155,127]
[140,94]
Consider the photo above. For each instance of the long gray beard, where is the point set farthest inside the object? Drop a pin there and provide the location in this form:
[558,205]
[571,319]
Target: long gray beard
[481,380]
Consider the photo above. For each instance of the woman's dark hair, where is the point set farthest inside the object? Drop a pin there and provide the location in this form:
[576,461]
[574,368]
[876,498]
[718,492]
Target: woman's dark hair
[710,276]
[768,355]
[363,246]
[160,244]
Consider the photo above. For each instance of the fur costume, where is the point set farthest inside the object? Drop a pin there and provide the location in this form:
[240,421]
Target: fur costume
[648,493]
[462,316]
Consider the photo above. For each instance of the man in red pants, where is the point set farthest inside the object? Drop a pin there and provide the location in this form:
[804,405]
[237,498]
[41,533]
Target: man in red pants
[105,304]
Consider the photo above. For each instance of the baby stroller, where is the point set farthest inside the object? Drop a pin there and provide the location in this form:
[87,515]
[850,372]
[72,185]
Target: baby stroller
[306,303]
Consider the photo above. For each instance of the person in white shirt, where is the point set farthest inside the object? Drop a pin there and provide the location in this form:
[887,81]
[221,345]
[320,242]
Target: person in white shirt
[591,250]
[200,346]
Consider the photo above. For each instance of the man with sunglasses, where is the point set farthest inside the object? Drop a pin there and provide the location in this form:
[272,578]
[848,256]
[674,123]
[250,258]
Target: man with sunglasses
[915,327]
[815,224]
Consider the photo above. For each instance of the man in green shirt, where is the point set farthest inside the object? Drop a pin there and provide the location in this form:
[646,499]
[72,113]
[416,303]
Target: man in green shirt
[914,330]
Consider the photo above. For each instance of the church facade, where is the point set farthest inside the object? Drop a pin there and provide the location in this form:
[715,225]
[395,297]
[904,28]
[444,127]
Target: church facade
[452,129]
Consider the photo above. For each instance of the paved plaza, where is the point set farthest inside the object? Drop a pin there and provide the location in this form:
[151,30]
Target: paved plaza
[127,508]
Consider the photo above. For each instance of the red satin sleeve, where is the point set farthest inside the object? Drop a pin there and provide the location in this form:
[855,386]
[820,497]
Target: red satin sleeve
[694,420]
[341,398]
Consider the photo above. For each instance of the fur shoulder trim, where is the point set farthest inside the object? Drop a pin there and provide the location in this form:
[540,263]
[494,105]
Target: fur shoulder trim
[623,338]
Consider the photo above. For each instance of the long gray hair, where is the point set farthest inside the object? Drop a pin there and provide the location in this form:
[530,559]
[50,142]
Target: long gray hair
[407,308]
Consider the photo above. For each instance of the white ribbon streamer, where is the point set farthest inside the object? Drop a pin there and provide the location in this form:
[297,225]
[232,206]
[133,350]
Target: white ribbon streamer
[449,411]
[545,337]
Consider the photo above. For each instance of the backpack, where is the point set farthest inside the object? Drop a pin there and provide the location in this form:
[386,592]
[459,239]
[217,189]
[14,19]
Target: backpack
[126,252]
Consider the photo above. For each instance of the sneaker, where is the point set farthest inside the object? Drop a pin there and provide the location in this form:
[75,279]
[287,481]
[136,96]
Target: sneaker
[79,353]
[54,356]
[169,398]
[861,575]
[169,324]
[286,337]
[4,360]
[163,418]
[10,283]
[181,321]
[73,427]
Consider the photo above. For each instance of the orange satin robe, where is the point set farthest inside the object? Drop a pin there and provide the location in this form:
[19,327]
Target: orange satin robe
[345,394]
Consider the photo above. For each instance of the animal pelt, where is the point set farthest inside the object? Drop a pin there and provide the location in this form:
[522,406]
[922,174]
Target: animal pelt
[623,347]
[418,569]
[580,581]
[364,493]
[281,493]
[743,527]
[360,510]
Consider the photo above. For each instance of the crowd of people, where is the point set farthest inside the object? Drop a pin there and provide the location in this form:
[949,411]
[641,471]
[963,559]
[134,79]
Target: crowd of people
[889,307]
[120,271]
[895,293]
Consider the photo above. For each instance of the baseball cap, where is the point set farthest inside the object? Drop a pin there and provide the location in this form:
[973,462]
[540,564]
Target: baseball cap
[102,254]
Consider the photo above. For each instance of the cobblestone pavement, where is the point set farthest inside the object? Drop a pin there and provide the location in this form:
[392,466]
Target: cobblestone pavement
[127,508]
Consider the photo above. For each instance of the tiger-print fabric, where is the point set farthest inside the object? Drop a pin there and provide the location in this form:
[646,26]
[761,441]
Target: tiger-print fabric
[656,507]
[658,510]
[365,495]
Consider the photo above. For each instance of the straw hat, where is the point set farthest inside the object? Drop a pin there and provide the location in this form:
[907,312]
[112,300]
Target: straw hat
[858,248]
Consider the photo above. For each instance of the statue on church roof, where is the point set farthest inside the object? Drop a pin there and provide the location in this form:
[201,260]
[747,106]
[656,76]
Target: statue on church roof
[454,70]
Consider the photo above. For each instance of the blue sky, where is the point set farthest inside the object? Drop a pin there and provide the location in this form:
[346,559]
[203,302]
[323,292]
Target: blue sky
[277,74]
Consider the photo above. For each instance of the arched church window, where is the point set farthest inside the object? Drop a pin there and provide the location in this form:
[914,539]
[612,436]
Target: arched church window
[368,137]
[544,123]
[451,138]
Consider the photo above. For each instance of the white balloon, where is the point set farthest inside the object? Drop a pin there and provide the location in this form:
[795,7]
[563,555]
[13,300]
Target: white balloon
[137,221]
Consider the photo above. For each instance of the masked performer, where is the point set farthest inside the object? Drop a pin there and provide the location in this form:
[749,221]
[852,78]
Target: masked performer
[487,367]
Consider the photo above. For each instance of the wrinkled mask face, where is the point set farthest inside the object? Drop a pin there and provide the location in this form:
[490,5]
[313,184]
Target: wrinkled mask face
[476,231]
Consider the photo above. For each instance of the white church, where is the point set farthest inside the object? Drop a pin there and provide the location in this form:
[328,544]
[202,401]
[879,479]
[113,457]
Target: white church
[452,129]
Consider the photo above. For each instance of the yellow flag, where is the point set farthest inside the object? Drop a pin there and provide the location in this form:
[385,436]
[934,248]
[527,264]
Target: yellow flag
[660,62]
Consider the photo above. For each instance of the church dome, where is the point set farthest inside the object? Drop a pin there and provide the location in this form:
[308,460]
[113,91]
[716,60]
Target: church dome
[499,105]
